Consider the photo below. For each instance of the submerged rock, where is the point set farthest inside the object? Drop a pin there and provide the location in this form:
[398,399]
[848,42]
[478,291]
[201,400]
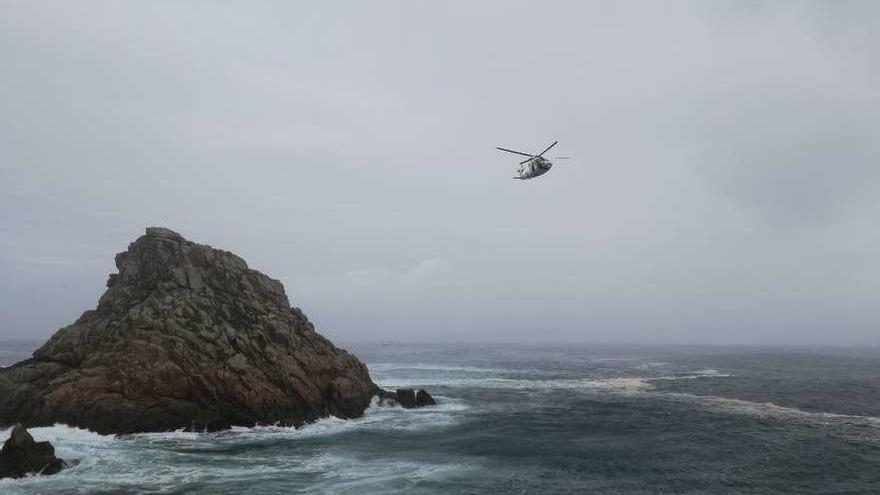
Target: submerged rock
[406,397]
[423,398]
[186,336]
[22,456]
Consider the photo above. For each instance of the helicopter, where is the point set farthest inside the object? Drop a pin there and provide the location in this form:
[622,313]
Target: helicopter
[534,165]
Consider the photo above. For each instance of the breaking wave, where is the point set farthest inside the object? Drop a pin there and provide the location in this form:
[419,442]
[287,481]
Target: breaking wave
[171,461]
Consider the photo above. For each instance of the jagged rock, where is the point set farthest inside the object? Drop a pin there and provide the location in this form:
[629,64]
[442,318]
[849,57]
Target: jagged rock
[406,397]
[186,336]
[423,398]
[21,456]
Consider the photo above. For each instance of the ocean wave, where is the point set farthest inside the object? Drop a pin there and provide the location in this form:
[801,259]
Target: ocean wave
[429,369]
[434,367]
[610,384]
[446,412]
[342,474]
[773,411]
[375,416]
[171,461]
[651,365]
[693,375]
[643,386]
[613,384]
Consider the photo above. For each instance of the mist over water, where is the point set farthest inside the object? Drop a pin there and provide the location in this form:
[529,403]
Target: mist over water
[528,419]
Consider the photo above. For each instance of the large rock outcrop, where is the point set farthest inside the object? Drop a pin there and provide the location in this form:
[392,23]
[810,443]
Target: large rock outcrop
[186,336]
[21,456]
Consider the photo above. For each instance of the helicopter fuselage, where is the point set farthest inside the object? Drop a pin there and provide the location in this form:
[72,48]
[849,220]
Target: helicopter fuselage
[534,165]
[533,168]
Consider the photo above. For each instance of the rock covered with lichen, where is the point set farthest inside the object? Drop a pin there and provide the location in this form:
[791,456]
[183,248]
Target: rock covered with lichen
[185,336]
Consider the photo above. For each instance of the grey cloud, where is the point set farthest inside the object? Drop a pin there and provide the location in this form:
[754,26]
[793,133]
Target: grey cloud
[724,187]
[792,158]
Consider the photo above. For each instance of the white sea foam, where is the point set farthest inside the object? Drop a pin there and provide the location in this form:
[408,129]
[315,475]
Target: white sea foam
[160,462]
[130,466]
[433,367]
[622,384]
[774,411]
[644,386]
[651,365]
[615,359]
[101,460]
[611,384]
[447,412]
[342,474]
[693,375]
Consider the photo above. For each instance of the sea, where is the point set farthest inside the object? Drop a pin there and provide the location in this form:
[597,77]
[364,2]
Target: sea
[539,419]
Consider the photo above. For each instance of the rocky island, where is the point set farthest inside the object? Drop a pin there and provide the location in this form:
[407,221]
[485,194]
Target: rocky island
[185,336]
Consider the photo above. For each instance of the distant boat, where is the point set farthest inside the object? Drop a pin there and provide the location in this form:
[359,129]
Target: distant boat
[387,344]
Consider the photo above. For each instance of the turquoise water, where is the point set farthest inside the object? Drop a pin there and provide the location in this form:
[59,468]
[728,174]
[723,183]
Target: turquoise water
[519,419]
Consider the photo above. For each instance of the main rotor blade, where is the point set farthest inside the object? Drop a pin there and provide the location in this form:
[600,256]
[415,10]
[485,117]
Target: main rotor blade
[527,160]
[548,148]
[516,152]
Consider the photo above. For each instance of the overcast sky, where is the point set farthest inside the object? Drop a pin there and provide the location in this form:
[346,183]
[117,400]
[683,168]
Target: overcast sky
[725,186]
